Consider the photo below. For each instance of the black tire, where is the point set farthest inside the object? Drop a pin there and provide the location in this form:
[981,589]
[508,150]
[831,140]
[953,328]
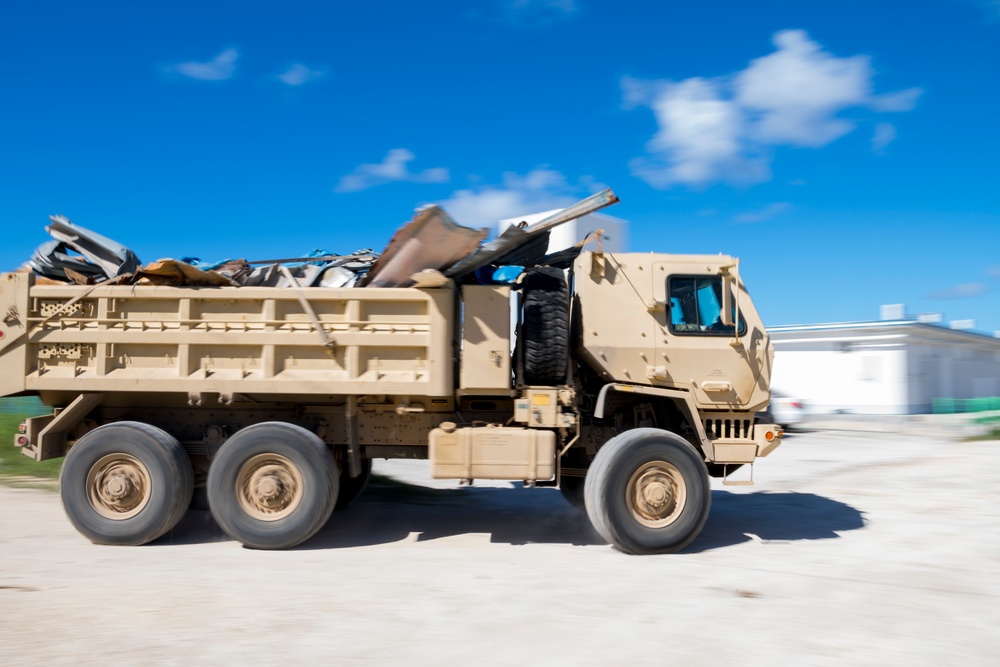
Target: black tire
[126,483]
[572,490]
[648,492]
[272,485]
[545,327]
[352,487]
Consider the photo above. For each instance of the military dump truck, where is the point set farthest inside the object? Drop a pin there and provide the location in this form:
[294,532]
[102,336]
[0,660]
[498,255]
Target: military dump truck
[635,377]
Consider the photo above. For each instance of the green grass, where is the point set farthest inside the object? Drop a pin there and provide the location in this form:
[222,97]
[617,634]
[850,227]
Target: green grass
[992,434]
[988,420]
[16,469]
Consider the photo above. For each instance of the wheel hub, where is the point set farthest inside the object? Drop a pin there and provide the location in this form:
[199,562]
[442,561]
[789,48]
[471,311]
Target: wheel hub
[656,494]
[118,486]
[269,487]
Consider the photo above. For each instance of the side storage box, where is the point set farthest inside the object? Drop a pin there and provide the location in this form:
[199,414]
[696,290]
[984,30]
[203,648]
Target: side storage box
[493,452]
[486,341]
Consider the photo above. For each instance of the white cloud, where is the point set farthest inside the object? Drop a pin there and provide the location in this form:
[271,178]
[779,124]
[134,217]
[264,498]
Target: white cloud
[726,129]
[885,134]
[993,271]
[903,100]
[393,168]
[963,291]
[765,213]
[298,74]
[700,135]
[219,68]
[793,94]
[541,189]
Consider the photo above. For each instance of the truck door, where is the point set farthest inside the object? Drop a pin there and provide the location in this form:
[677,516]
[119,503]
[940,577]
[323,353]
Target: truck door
[702,347]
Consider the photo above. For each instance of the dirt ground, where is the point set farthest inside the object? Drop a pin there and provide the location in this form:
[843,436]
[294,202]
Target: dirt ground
[868,548]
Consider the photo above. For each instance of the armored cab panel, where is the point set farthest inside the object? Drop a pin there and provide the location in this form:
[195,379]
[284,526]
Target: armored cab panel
[660,320]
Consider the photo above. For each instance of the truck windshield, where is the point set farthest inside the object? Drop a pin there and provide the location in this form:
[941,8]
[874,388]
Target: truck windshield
[696,306]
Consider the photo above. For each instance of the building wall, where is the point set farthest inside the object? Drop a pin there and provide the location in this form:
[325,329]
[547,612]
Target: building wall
[869,381]
[883,367]
[939,370]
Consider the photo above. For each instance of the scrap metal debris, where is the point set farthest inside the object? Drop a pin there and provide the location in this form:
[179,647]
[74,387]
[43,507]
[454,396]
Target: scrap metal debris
[428,251]
[516,238]
[99,258]
[432,240]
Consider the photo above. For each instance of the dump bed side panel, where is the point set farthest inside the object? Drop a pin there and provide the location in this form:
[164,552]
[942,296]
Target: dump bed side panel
[13,330]
[237,340]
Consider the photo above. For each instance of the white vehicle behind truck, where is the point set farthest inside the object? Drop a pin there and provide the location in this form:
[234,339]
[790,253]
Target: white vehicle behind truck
[636,377]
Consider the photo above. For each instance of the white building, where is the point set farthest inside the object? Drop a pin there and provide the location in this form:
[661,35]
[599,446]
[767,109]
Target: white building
[893,366]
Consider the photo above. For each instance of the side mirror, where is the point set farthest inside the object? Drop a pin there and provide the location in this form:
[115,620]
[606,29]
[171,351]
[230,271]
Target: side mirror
[729,287]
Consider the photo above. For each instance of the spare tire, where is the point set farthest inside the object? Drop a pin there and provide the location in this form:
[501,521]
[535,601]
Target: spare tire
[544,327]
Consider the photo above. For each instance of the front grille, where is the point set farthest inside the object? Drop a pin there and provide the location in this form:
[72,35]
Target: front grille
[729,428]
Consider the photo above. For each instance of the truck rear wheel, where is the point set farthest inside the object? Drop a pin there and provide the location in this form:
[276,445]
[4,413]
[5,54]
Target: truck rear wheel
[126,483]
[648,492]
[272,485]
[545,327]
[352,487]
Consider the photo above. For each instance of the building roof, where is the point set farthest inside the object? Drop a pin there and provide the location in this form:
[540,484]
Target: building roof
[908,326]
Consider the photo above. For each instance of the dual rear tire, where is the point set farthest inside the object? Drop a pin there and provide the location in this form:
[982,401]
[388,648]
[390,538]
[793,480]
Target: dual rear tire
[271,486]
[126,483]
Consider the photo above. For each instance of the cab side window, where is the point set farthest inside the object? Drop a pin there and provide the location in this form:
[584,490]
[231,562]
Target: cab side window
[696,306]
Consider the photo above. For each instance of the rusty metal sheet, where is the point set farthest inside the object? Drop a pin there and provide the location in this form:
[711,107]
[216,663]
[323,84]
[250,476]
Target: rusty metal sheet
[432,240]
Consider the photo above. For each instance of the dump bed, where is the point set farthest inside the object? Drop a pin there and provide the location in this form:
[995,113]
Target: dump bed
[226,340]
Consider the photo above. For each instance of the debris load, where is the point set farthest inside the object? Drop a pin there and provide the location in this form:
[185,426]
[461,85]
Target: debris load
[427,251]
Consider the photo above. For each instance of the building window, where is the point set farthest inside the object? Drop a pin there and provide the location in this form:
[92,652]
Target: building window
[696,306]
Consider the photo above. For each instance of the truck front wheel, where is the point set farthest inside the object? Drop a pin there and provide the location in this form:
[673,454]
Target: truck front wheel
[648,492]
[126,483]
[272,485]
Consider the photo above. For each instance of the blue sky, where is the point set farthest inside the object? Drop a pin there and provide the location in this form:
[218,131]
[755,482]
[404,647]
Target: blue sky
[846,152]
